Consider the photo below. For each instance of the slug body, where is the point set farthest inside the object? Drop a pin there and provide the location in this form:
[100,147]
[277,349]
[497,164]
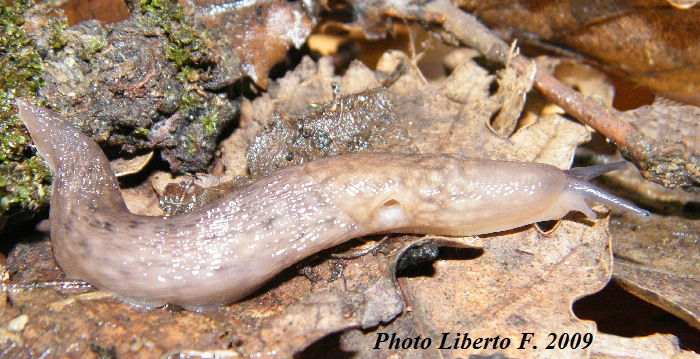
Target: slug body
[224,250]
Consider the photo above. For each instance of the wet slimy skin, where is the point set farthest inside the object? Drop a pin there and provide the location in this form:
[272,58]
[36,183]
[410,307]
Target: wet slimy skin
[224,250]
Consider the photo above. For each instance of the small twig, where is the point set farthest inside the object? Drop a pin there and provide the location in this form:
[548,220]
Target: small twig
[369,247]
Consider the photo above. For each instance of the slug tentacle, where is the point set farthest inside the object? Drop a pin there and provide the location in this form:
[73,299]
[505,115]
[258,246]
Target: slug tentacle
[226,249]
[590,172]
[591,192]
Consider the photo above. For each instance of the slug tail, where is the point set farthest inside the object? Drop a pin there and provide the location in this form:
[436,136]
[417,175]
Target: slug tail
[81,170]
[38,123]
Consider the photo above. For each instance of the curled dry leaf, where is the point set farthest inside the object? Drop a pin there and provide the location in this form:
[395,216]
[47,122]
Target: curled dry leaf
[512,91]
[252,37]
[452,116]
[125,166]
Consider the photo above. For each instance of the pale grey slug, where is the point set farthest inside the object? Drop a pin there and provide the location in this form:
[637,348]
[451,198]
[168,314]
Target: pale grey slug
[226,249]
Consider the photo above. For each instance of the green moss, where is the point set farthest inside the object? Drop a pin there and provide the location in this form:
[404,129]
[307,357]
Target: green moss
[185,50]
[94,46]
[211,121]
[20,64]
[180,56]
[189,100]
[56,37]
[24,178]
[161,8]
[23,186]
[189,74]
[142,131]
[184,39]
[192,148]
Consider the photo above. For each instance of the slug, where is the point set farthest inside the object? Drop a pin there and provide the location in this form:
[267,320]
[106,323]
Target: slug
[224,250]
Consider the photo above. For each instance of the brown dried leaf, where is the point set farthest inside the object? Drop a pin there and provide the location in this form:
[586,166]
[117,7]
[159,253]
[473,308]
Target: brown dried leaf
[142,200]
[668,121]
[124,166]
[106,11]
[364,121]
[675,292]
[658,262]
[678,127]
[512,92]
[253,36]
[33,261]
[587,80]
[309,84]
